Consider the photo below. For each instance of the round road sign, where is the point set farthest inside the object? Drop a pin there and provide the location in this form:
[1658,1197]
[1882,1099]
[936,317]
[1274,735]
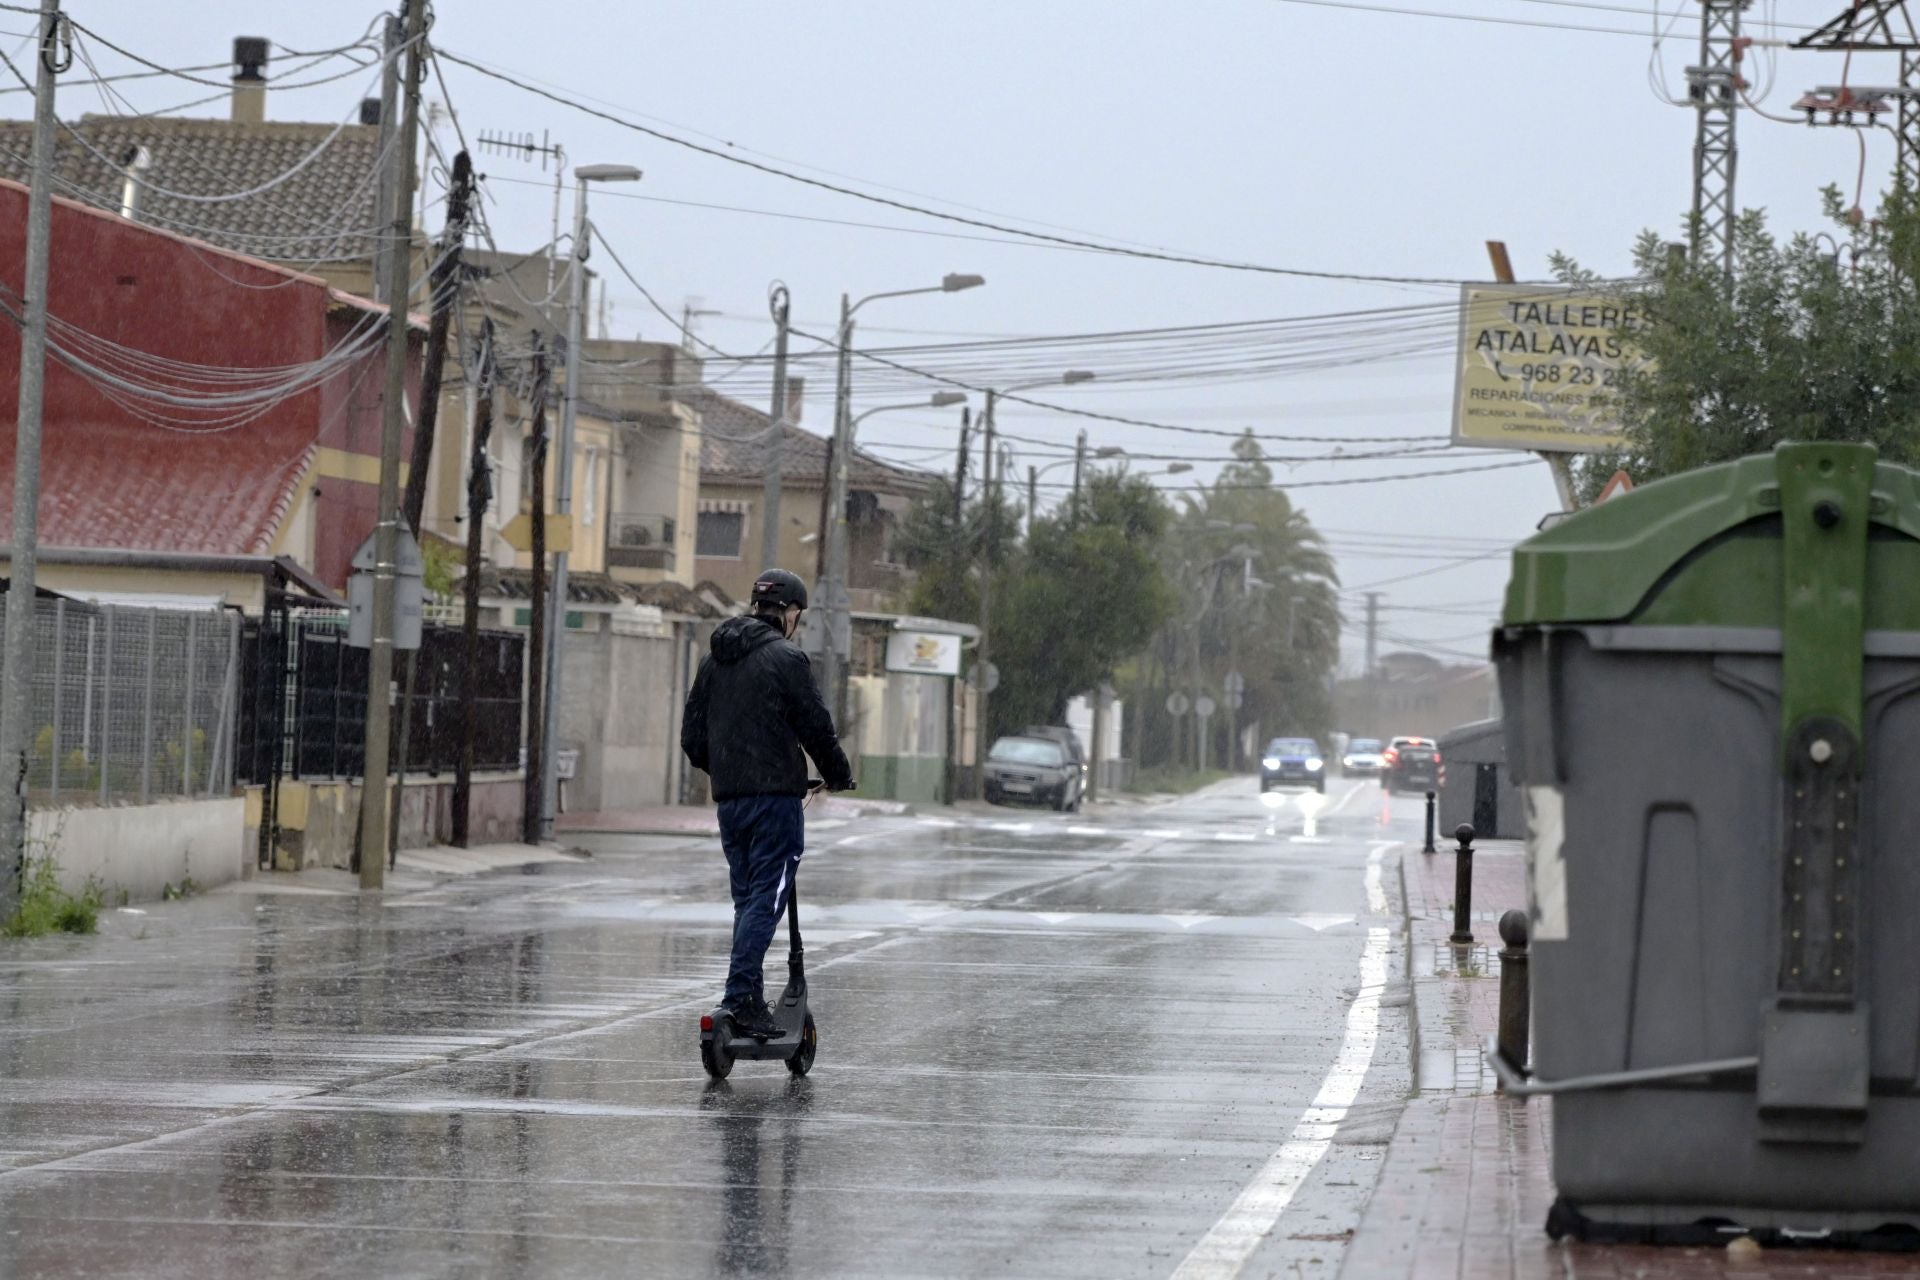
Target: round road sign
[1203,706]
[1177,704]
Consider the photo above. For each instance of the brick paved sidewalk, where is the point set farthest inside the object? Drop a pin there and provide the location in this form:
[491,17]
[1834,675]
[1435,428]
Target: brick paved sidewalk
[1467,1182]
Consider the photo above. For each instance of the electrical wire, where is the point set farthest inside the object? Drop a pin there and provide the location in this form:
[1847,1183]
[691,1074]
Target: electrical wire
[924,211]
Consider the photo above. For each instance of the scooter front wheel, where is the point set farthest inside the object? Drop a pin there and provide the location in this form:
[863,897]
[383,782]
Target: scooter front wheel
[802,1060]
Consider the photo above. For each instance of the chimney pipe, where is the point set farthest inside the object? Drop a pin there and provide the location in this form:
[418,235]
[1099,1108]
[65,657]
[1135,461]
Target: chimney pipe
[249,80]
[133,165]
[370,111]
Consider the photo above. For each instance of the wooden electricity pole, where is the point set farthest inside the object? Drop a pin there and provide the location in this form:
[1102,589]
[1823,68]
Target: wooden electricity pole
[537,644]
[444,281]
[479,491]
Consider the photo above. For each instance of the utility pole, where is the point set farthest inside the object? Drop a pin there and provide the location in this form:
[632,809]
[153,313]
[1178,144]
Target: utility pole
[537,746]
[984,662]
[563,473]
[833,577]
[389,123]
[1373,633]
[1714,87]
[1879,26]
[1079,466]
[16,694]
[443,293]
[479,491]
[1033,498]
[781,305]
[373,778]
[960,469]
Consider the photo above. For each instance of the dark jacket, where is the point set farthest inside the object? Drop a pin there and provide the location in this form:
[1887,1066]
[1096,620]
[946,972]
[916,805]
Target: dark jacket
[751,710]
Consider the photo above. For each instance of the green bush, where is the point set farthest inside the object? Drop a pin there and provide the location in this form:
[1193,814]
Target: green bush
[46,908]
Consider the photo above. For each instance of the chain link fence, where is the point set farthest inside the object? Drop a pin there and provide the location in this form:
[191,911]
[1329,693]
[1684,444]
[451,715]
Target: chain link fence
[131,704]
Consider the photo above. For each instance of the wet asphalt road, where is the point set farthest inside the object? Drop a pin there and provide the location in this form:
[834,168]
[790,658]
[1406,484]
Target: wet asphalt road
[1051,1045]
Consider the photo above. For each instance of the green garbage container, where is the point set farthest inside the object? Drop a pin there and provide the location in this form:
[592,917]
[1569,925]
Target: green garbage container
[1712,695]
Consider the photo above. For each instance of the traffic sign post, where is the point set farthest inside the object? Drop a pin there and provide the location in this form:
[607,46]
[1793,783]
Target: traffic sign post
[1203,708]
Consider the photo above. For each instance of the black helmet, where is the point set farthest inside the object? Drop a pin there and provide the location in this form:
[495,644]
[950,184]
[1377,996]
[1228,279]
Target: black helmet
[778,588]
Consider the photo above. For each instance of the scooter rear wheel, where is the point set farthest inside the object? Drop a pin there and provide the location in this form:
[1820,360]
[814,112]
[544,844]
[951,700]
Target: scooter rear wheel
[716,1057]
[802,1060]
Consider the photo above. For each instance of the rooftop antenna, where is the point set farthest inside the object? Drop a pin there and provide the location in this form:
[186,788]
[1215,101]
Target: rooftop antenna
[522,146]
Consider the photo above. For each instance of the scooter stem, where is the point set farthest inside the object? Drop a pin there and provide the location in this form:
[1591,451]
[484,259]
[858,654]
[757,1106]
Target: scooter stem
[796,956]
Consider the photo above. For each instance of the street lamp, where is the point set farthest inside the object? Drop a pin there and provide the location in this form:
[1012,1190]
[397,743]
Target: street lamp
[563,474]
[939,400]
[834,603]
[984,652]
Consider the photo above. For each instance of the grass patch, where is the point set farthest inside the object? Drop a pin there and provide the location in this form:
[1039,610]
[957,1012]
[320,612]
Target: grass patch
[46,908]
[1174,780]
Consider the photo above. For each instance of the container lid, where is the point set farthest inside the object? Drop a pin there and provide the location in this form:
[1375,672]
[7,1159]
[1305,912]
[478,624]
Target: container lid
[1704,548]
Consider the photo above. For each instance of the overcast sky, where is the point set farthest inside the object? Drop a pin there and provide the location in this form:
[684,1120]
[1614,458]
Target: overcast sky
[1264,131]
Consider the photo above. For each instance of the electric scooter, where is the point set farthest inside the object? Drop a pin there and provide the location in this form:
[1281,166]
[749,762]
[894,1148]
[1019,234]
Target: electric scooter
[721,1046]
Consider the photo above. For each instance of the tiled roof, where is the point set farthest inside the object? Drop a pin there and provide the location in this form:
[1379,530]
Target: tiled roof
[324,213]
[600,588]
[732,447]
[112,484]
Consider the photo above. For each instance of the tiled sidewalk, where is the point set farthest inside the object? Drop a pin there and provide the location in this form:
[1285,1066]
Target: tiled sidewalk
[1467,1181]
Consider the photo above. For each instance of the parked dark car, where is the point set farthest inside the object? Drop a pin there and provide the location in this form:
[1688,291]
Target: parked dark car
[1064,736]
[1412,764]
[1030,770]
[1293,762]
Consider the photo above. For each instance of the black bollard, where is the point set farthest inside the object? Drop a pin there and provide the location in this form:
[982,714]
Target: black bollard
[1463,884]
[1515,996]
[1428,847]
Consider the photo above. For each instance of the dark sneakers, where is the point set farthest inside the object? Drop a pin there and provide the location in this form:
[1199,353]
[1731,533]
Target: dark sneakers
[751,1017]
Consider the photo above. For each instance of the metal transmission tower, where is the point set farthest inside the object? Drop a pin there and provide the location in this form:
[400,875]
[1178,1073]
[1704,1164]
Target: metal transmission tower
[1874,26]
[1714,88]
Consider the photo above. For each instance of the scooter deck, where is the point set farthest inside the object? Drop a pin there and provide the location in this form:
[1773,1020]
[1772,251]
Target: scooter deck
[791,1013]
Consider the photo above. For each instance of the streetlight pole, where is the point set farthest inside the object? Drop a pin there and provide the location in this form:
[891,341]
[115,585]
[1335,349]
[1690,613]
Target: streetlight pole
[992,496]
[835,604]
[776,444]
[563,477]
[833,676]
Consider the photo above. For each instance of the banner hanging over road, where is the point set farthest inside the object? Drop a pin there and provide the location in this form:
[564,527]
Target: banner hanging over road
[1533,362]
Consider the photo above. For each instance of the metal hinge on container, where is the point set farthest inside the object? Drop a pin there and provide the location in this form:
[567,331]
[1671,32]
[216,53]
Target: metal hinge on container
[1814,1042]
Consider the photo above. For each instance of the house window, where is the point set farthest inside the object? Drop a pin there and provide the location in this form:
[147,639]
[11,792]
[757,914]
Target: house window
[718,534]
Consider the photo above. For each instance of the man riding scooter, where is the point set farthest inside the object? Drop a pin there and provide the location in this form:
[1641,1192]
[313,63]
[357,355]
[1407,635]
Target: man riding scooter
[752,710]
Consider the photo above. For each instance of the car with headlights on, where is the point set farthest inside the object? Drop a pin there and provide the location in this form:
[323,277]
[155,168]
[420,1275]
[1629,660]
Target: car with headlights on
[1293,762]
[1362,758]
[1029,770]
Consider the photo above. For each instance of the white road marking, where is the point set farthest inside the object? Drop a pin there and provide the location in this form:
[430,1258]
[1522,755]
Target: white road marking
[1009,826]
[1224,1250]
[1160,833]
[1376,892]
[1318,922]
[1237,836]
[1054,917]
[1347,799]
[1311,839]
[1086,831]
[939,822]
[1188,921]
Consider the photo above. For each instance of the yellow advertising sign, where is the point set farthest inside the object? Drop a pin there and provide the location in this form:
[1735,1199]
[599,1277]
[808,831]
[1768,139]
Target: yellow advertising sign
[1533,361]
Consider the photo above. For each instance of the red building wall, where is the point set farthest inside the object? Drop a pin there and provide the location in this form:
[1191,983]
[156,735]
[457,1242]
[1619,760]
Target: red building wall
[121,471]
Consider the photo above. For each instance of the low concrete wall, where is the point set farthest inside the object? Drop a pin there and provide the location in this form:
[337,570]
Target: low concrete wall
[914,779]
[318,819]
[141,849]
